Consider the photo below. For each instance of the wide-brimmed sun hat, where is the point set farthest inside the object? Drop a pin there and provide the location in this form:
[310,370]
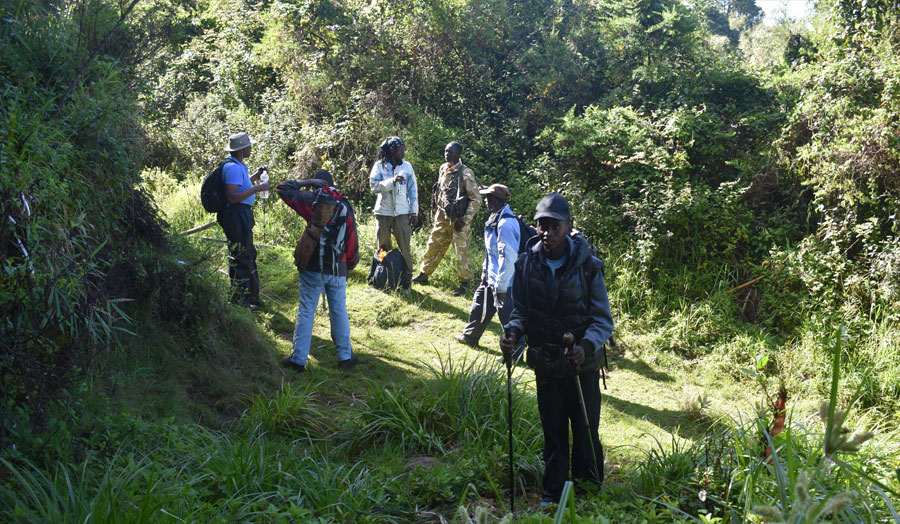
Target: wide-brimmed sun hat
[238,142]
[498,190]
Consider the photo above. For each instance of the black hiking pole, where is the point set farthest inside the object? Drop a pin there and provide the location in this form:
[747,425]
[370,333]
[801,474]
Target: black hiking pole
[569,341]
[509,420]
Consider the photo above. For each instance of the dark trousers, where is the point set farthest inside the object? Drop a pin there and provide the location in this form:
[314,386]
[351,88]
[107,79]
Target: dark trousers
[559,406]
[482,312]
[237,223]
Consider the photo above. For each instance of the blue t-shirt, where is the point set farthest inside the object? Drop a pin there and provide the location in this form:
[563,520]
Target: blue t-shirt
[558,263]
[236,173]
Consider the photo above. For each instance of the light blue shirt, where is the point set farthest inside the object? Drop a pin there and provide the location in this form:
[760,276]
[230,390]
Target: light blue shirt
[558,263]
[236,173]
[501,250]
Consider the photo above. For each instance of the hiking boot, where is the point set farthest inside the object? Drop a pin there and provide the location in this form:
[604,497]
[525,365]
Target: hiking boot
[421,278]
[463,340]
[290,364]
[405,288]
[462,289]
[256,302]
[348,364]
[247,305]
[547,499]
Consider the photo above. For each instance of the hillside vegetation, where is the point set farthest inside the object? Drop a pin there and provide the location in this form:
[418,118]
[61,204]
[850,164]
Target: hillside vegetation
[739,180]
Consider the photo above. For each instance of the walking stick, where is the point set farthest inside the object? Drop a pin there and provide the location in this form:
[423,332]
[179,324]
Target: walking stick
[569,341]
[512,485]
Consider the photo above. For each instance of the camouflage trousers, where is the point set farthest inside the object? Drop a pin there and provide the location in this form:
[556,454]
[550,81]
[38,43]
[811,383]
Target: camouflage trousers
[442,234]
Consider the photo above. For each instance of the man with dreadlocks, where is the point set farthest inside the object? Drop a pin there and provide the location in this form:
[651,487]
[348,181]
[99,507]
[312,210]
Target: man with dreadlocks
[397,204]
[457,202]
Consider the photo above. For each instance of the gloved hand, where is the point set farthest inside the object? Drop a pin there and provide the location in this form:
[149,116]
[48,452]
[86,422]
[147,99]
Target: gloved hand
[459,224]
[576,355]
[413,220]
[507,345]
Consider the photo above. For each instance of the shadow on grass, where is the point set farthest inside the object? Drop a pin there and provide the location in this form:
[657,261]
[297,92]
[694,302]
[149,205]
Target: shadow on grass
[429,302]
[670,420]
[280,323]
[642,368]
[323,363]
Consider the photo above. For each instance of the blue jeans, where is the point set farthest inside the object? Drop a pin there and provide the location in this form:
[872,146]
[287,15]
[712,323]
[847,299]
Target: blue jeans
[311,285]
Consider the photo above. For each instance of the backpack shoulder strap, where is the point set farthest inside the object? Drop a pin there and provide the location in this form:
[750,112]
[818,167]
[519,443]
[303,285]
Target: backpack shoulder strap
[502,216]
[497,223]
[222,166]
[587,276]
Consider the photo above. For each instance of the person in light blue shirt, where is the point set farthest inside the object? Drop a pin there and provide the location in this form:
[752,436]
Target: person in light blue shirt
[237,220]
[501,247]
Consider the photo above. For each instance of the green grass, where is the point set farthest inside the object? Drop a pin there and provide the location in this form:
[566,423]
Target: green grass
[214,430]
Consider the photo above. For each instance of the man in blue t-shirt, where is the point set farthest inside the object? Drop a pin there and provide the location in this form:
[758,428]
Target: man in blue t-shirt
[237,220]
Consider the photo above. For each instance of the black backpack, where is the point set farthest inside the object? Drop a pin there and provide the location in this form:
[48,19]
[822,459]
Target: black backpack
[526,230]
[212,190]
[387,273]
[587,276]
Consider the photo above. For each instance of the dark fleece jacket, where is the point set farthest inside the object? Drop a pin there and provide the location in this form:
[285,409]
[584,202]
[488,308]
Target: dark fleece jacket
[546,305]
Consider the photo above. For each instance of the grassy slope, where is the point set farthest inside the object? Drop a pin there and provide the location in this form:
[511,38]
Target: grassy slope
[396,335]
[230,380]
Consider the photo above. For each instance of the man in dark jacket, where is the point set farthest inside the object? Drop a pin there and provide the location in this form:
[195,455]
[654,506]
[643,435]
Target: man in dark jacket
[559,289]
[333,252]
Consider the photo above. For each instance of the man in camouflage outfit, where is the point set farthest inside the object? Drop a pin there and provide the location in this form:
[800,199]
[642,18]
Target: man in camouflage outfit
[457,201]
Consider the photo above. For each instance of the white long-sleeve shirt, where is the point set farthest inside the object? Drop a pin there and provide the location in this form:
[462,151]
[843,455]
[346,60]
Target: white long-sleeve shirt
[394,199]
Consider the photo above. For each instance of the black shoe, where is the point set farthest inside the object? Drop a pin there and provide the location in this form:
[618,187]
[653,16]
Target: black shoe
[463,340]
[247,305]
[462,289]
[421,278]
[405,288]
[256,302]
[290,364]
[348,364]
[548,499]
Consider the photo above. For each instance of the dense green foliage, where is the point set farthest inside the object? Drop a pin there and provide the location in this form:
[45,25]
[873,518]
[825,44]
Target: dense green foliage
[80,239]
[68,202]
[701,150]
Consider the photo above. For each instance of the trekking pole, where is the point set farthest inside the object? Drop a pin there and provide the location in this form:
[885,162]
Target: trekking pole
[569,341]
[512,485]
[264,179]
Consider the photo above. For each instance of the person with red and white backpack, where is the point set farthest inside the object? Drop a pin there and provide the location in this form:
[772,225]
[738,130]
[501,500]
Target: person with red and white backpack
[326,252]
